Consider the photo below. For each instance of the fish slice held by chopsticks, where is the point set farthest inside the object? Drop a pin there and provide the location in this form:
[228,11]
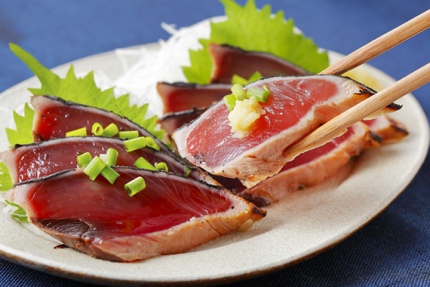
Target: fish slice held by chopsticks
[296,106]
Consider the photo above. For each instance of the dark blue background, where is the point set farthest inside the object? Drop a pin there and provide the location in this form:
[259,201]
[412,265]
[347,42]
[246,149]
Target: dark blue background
[393,250]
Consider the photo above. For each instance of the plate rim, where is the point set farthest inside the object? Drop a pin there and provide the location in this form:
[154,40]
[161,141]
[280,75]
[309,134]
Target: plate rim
[48,266]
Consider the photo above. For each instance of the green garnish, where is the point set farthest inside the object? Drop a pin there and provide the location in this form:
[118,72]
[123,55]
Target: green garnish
[81,132]
[135,186]
[24,126]
[5,179]
[144,164]
[111,130]
[84,159]
[109,174]
[236,79]
[140,142]
[246,23]
[97,129]
[111,156]
[239,94]
[162,166]
[187,171]
[95,167]
[98,165]
[128,135]
[19,212]
[79,90]
[135,144]
[261,94]
[150,142]
[230,101]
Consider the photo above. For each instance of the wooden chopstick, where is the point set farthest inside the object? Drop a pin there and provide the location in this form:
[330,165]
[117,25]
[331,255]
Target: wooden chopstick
[381,44]
[337,126]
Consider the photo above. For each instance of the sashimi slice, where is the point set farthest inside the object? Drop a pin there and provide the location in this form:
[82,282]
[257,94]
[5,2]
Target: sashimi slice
[45,158]
[55,117]
[178,97]
[229,61]
[171,215]
[313,167]
[296,107]
[172,121]
[184,102]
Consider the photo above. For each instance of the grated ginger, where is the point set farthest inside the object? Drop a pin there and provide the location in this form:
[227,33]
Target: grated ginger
[244,114]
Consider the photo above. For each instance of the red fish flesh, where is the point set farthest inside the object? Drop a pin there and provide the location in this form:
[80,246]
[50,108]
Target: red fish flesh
[172,121]
[171,215]
[178,97]
[228,61]
[317,165]
[55,117]
[184,102]
[45,158]
[312,167]
[296,106]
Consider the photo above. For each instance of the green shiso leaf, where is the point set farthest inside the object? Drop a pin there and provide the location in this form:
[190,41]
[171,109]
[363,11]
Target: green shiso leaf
[259,30]
[71,88]
[5,179]
[24,124]
[19,213]
[79,90]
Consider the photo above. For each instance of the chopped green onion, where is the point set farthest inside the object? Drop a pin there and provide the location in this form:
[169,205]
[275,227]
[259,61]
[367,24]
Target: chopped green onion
[143,163]
[236,79]
[162,166]
[77,133]
[128,135]
[135,144]
[110,174]
[94,168]
[159,134]
[111,156]
[187,171]
[111,130]
[254,77]
[84,159]
[239,94]
[238,91]
[261,94]
[97,129]
[230,101]
[103,157]
[150,142]
[135,186]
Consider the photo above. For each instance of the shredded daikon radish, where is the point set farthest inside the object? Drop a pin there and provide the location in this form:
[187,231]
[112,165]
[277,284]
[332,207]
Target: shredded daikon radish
[147,65]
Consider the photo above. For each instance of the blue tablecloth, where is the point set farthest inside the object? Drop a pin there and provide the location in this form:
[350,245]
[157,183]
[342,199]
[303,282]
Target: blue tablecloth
[392,250]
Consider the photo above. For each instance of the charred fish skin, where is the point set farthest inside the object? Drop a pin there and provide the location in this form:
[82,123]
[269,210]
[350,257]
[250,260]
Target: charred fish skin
[55,116]
[170,122]
[230,60]
[171,215]
[181,96]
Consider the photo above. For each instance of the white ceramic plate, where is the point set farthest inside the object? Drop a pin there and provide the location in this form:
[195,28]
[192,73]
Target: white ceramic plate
[304,224]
